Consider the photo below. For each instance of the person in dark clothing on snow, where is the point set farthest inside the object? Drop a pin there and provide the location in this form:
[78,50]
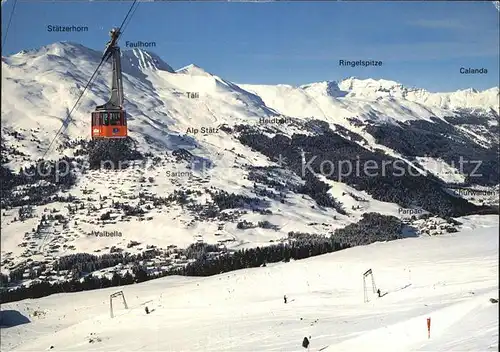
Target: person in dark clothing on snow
[378,292]
[305,342]
[147,310]
[284,299]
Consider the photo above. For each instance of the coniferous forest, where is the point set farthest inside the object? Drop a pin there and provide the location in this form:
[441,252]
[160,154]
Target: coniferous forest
[206,259]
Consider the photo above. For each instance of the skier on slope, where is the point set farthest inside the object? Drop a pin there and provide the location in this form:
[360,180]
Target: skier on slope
[305,343]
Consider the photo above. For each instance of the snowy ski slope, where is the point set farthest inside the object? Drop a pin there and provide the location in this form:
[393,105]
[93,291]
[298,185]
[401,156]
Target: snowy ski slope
[449,278]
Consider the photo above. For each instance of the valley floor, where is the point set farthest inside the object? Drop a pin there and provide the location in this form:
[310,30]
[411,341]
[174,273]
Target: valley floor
[448,278]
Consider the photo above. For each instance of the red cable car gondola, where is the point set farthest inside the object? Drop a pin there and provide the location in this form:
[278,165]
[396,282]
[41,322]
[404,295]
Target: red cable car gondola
[110,120]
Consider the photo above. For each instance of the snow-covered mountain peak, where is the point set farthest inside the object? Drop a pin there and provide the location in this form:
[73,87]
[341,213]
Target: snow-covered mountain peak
[66,48]
[63,48]
[328,88]
[493,90]
[471,90]
[371,85]
[144,60]
[133,61]
[193,70]
[59,50]
[381,88]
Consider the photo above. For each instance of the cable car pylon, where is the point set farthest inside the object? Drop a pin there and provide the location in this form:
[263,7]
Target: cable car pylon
[109,121]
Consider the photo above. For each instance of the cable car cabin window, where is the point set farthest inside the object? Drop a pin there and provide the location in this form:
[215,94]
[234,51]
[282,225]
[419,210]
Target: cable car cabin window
[95,119]
[104,119]
[115,118]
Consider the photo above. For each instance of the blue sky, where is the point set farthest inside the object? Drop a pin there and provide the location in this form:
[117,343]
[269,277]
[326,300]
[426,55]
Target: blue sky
[422,44]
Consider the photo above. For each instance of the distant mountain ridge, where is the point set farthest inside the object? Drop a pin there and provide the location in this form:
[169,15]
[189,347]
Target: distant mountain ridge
[370,88]
[139,59]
